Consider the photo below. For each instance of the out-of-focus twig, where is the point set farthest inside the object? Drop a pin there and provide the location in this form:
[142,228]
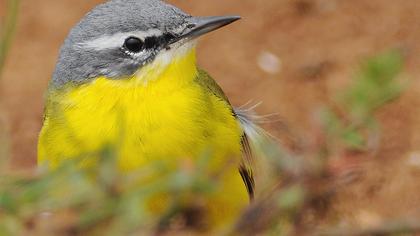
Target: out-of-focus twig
[7,30]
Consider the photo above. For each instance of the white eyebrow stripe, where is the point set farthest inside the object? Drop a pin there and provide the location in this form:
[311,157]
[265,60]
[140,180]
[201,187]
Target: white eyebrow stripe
[117,40]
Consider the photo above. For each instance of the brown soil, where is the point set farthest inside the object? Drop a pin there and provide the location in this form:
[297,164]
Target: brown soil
[319,44]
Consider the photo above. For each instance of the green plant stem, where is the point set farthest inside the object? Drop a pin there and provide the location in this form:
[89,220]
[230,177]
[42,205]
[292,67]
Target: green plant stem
[8,29]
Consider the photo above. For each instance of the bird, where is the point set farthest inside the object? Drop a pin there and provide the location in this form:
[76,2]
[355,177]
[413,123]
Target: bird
[127,77]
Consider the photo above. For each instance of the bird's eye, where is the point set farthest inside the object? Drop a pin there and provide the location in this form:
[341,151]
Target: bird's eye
[133,44]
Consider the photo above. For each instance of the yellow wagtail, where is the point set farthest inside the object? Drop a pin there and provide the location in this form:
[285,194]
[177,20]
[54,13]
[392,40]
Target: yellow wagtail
[127,77]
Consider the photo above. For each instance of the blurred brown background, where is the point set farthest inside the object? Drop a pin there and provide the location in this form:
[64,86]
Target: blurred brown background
[293,55]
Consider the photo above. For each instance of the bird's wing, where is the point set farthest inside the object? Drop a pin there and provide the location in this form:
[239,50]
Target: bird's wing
[205,80]
[245,169]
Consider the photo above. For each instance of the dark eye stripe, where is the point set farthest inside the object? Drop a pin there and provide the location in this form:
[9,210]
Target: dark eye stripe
[151,42]
[156,42]
[135,45]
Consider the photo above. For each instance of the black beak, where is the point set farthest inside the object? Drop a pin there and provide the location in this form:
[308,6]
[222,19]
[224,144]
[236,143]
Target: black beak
[202,25]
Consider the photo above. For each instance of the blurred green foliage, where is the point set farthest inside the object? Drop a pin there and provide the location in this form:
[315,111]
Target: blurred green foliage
[99,200]
[376,83]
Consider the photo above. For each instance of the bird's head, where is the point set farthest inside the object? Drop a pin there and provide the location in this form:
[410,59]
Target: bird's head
[119,38]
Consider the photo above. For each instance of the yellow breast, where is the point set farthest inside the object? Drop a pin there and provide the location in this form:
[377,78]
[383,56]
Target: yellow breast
[167,117]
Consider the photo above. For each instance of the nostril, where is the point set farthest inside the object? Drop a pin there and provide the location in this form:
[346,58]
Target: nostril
[168,37]
[190,26]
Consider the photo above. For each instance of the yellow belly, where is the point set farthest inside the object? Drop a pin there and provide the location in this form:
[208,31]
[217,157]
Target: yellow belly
[171,119]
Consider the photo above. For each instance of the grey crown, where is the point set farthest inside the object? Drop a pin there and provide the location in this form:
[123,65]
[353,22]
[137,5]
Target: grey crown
[79,65]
